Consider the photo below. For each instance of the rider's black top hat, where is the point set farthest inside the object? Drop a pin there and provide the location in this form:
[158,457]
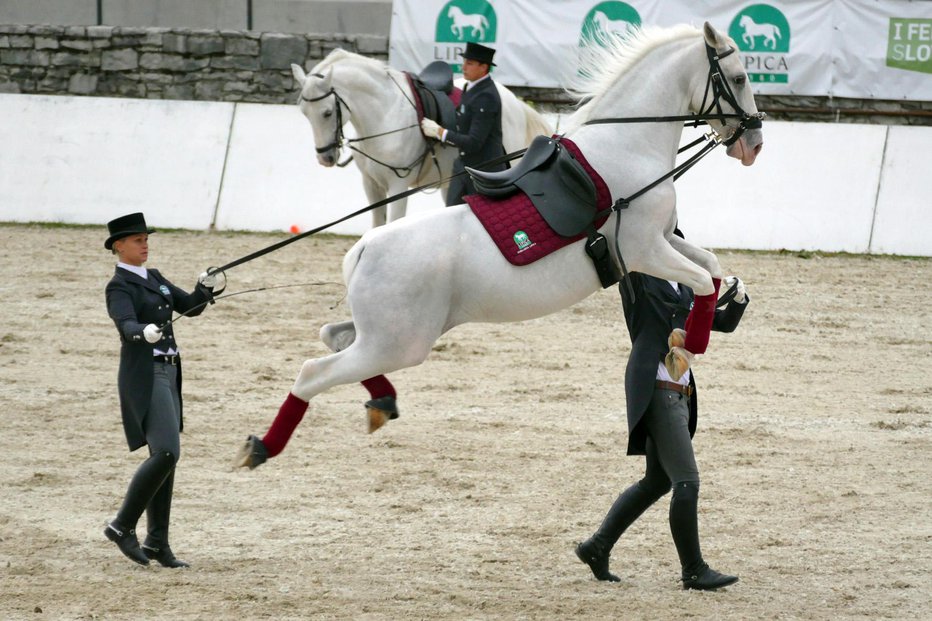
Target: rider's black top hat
[124,226]
[480,53]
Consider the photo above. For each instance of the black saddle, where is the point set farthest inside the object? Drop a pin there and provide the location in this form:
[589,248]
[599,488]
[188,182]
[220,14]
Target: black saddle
[437,76]
[432,88]
[553,179]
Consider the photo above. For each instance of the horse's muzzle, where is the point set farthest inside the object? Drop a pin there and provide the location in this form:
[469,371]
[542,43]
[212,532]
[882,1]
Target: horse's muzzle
[747,147]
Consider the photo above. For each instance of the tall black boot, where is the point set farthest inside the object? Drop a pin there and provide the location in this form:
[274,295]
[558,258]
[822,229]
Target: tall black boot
[684,526]
[144,485]
[627,508]
[158,513]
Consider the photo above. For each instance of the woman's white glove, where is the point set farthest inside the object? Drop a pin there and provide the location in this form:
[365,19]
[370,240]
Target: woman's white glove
[741,294]
[152,333]
[431,129]
[208,280]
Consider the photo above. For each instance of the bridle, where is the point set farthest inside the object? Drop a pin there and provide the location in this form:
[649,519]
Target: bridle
[720,90]
[340,140]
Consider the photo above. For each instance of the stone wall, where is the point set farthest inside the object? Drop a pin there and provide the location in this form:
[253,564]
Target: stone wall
[236,65]
[165,63]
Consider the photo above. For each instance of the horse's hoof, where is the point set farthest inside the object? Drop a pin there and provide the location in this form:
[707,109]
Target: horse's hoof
[380,411]
[677,338]
[677,362]
[252,454]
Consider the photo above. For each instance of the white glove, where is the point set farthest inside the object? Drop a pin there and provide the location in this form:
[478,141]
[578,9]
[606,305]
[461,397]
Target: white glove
[208,280]
[152,333]
[741,294]
[431,129]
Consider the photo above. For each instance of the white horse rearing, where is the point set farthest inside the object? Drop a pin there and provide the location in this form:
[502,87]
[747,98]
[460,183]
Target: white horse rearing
[377,99]
[415,279]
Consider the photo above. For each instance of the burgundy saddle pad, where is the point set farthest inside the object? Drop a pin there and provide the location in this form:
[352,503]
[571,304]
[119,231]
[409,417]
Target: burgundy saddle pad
[516,227]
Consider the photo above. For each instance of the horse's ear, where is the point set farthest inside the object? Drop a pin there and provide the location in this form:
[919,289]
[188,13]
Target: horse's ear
[712,36]
[298,74]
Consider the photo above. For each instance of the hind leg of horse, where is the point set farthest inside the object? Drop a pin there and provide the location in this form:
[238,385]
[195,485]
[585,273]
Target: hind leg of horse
[382,405]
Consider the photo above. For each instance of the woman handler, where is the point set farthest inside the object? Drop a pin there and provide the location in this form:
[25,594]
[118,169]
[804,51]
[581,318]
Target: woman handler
[139,301]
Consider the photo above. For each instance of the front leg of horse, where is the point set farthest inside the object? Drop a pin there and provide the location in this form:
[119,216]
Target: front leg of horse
[399,208]
[374,193]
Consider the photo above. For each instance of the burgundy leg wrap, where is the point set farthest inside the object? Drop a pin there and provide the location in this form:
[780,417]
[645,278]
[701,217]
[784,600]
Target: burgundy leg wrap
[287,420]
[699,321]
[379,386]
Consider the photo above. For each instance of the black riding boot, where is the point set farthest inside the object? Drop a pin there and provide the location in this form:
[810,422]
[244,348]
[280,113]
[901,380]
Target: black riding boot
[157,515]
[144,485]
[627,508]
[684,526]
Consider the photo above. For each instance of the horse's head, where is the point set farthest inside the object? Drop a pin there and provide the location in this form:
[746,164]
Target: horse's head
[730,90]
[325,110]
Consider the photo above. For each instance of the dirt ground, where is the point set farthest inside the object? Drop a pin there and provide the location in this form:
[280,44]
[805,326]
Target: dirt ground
[814,444]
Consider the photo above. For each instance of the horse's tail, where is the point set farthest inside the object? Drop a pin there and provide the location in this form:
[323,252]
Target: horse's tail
[351,259]
[535,124]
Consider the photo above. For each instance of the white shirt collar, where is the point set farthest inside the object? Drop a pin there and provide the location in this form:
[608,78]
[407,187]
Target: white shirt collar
[471,84]
[139,270]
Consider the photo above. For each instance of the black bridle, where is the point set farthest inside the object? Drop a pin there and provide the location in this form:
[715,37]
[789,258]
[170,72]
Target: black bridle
[340,140]
[720,90]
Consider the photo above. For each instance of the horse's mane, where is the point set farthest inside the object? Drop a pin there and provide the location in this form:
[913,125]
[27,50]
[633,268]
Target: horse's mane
[602,65]
[340,55]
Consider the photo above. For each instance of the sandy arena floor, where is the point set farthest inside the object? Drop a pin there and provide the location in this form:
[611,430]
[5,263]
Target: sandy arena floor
[815,447]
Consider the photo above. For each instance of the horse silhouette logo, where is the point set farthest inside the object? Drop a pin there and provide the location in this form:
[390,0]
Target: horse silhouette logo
[464,21]
[607,21]
[752,30]
[611,27]
[461,21]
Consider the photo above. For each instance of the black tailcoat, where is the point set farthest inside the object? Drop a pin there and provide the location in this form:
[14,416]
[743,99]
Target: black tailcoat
[134,302]
[478,135]
[657,310]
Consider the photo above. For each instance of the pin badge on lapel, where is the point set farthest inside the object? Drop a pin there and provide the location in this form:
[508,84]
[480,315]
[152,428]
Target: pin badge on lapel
[164,289]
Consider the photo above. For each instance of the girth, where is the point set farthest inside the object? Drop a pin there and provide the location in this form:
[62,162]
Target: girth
[557,184]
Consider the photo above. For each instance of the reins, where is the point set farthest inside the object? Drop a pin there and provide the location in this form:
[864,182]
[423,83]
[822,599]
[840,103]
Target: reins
[720,90]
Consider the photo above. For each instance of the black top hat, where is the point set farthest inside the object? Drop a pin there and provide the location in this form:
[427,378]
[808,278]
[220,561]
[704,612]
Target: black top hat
[480,53]
[125,226]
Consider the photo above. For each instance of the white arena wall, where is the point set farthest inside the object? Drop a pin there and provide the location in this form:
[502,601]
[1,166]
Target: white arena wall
[197,165]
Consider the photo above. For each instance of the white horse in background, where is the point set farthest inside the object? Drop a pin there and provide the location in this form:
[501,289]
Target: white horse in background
[413,280]
[476,21]
[752,29]
[611,27]
[376,99]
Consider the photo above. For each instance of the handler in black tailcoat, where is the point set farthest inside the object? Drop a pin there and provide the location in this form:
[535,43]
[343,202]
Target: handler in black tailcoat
[661,422]
[478,132]
[140,302]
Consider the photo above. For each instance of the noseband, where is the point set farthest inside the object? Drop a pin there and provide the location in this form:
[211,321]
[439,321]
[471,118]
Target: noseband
[722,90]
[338,137]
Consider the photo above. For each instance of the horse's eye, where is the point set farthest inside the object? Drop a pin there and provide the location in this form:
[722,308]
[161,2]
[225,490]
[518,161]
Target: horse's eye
[328,114]
[740,80]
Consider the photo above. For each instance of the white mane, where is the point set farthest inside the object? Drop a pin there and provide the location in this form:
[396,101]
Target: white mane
[340,55]
[602,65]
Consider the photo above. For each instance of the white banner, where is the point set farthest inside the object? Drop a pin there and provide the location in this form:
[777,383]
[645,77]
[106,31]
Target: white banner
[845,48]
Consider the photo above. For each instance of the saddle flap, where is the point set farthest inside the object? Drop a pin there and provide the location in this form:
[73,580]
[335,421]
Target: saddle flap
[502,183]
[437,76]
[563,193]
[432,103]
